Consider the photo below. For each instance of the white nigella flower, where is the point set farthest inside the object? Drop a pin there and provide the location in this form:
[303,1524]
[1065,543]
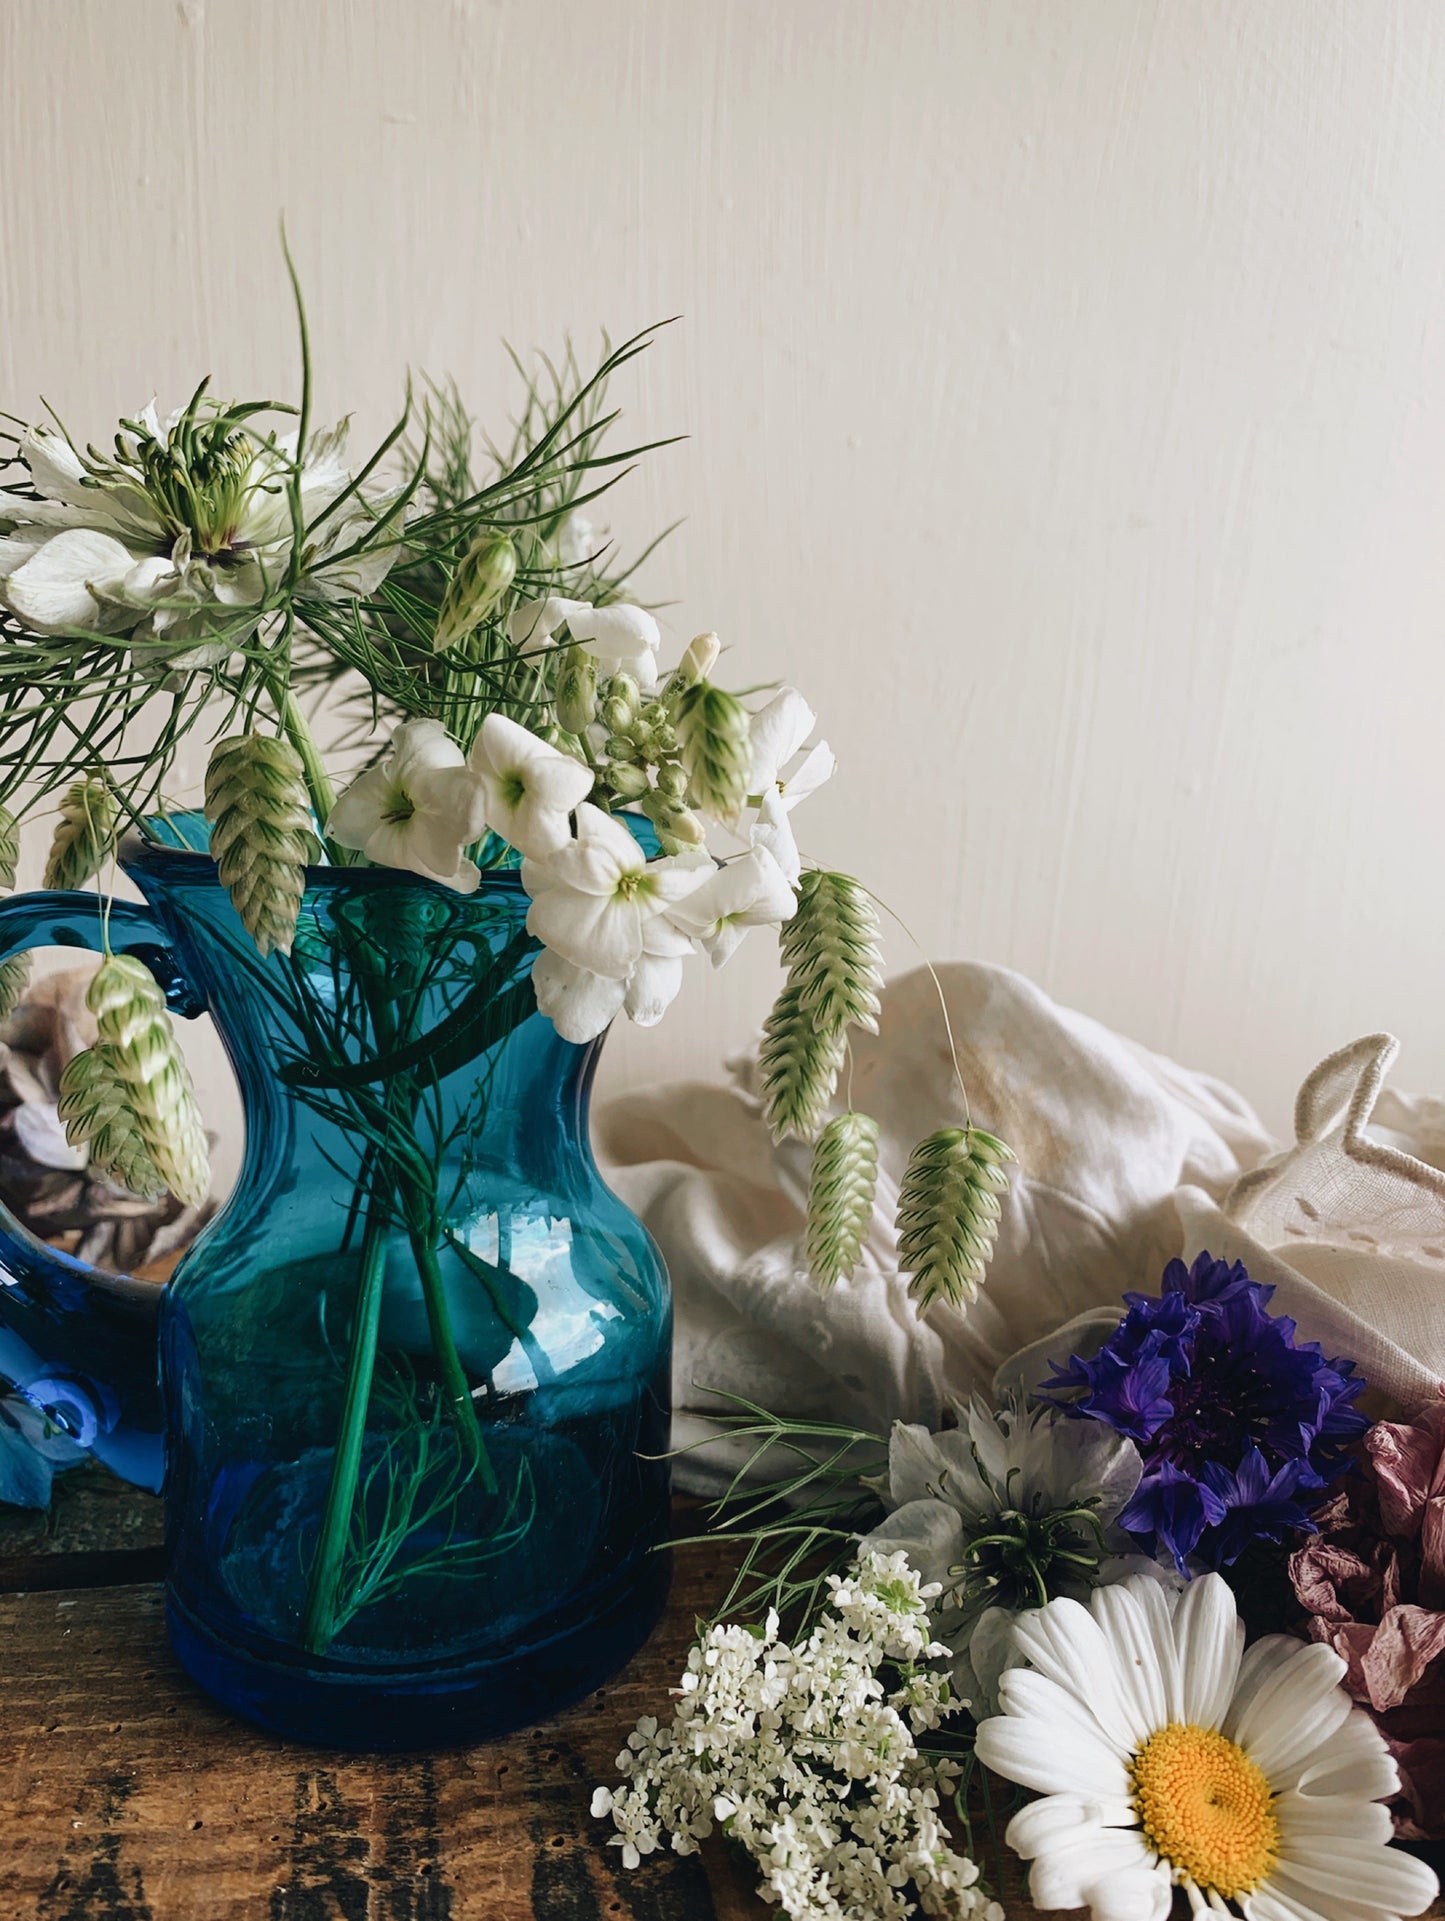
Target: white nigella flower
[1006,1511]
[418,808]
[180,536]
[621,638]
[531,787]
[749,892]
[1168,1756]
[600,908]
[778,735]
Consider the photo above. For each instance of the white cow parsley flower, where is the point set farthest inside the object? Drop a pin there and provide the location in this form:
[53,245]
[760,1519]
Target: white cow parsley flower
[1169,1757]
[1005,1511]
[418,808]
[807,1756]
[531,787]
[179,540]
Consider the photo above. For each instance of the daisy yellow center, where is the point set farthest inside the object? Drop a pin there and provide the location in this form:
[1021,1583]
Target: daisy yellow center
[1206,1807]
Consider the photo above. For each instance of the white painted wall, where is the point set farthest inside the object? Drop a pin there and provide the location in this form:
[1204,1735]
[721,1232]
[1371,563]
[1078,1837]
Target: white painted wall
[1066,384]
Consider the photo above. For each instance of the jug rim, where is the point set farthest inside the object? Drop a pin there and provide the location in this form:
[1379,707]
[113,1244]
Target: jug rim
[141,852]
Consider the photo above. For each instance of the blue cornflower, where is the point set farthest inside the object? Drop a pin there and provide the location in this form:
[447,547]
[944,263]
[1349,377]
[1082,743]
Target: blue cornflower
[1240,1424]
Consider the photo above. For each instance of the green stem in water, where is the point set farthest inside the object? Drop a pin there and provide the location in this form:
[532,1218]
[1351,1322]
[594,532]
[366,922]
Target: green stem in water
[319,1623]
[454,1381]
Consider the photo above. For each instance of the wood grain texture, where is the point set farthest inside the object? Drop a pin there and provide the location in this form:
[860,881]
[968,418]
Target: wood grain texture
[128,1797]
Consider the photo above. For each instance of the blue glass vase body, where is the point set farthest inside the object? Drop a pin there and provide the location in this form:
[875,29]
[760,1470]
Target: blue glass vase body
[414,1378]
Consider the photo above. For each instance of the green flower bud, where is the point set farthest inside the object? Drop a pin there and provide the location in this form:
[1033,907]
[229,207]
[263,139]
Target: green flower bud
[672,779]
[483,574]
[628,782]
[619,747]
[575,694]
[698,661]
[621,704]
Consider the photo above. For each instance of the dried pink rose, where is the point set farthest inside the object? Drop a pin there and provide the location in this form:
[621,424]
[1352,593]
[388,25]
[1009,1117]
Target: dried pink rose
[1373,1580]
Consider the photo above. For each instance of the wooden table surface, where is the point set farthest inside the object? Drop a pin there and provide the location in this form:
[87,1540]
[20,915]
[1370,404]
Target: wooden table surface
[127,1796]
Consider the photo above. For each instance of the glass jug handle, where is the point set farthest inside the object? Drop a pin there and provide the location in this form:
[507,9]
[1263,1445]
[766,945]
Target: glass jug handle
[79,1343]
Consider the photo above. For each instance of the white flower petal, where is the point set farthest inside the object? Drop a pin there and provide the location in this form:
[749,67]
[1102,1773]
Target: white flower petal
[50,592]
[775,733]
[1051,1760]
[1287,1703]
[1033,1696]
[1137,1669]
[1354,1760]
[1395,1882]
[580,1005]
[1068,1642]
[930,1534]
[1209,1636]
[593,931]
[535,621]
[818,767]
[773,830]
[1305,1818]
[1063,1817]
[653,988]
[354,817]
[56,468]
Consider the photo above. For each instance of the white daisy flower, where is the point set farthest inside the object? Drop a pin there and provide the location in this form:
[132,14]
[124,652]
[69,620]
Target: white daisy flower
[1169,1757]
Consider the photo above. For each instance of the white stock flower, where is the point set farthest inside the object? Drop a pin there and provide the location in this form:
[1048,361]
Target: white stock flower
[751,891]
[418,808]
[621,638]
[531,786]
[1005,1511]
[1167,1756]
[778,734]
[601,908]
[172,550]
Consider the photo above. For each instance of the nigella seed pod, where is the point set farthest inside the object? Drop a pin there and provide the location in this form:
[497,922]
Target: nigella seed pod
[483,574]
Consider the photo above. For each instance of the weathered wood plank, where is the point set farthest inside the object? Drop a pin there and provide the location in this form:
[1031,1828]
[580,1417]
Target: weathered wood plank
[126,1796]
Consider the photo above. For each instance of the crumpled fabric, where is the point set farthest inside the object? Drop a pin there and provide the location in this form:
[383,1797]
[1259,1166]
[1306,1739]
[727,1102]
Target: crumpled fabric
[1125,1159]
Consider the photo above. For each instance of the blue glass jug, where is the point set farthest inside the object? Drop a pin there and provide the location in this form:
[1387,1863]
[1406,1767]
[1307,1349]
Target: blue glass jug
[413,1387]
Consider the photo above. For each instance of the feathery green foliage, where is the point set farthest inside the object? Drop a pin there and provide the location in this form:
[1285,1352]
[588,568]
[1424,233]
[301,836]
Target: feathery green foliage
[261,838]
[841,1186]
[831,950]
[800,1061]
[130,1014]
[948,1213]
[95,1107]
[84,835]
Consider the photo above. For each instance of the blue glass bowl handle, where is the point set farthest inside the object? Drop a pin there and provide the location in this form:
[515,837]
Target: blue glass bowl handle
[79,1343]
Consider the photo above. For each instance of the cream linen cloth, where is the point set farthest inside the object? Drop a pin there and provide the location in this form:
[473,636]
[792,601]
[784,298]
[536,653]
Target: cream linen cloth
[1125,1159]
